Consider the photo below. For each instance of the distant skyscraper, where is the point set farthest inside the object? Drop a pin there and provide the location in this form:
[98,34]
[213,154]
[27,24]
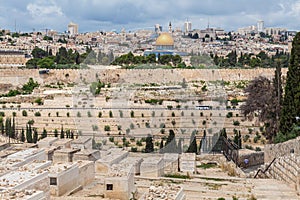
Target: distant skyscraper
[73,28]
[187,26]
[260,26]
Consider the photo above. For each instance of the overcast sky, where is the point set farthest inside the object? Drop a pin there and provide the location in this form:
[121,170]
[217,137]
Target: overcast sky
[94,15]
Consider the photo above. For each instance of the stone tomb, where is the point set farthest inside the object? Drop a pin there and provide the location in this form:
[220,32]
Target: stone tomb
[171,163]
[187,162]
[64,155]
[47,142]
[91,155]
[119,182]
[64,177]
[152,167]
[82,143]
[113,156]
[136,162]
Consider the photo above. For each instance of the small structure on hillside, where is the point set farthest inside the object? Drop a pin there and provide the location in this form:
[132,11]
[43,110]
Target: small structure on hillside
[119,182]
[152,167]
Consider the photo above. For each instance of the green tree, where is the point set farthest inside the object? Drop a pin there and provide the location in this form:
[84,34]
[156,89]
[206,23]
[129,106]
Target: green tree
[2,126]
[28,133]
[22,135]
[44,134]
[291,100]
[149,144]
[193,143]
[62,133]
[55,133]
[35,136]
[170,145]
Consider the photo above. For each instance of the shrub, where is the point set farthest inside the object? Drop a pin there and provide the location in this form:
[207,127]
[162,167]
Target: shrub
[78,114]
[89,114]
[229,115]
[39,101]
[100,114]
[37,114]
[236,123]
[133,149]
[24,113]
[110,114]
[106,128]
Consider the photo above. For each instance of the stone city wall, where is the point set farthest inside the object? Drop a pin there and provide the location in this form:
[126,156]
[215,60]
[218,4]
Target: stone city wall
[18,77]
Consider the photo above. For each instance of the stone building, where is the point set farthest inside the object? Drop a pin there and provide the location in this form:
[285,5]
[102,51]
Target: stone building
[119,182]
[108,158]
[152,167]
[12,58]
[171,163]
[63,178]
[64,155]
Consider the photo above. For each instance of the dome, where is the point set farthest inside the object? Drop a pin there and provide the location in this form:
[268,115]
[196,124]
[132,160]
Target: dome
[165,39]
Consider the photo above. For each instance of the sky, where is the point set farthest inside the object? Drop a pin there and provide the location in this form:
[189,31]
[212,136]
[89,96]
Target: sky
[107,15]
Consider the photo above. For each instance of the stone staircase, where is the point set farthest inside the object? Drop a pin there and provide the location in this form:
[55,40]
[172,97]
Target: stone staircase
[286,169]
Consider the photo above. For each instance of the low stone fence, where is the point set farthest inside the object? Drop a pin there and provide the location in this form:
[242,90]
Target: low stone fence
[254,159]
[282,149]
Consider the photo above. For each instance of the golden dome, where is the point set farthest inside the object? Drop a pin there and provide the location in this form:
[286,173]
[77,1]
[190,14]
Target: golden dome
[165,39]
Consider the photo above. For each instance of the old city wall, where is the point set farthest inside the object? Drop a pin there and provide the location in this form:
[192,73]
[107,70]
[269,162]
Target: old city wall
[17,77]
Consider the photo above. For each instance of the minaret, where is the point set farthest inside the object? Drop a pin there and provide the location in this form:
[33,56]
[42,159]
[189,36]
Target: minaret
[170,27]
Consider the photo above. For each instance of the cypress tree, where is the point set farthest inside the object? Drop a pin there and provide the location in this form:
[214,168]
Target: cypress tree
[44,134]
[291,101]
[170,146]
[193,146]
[28,133]
[55,133]
[149,144]
[2,126]
[35,136]
[22,135]
[161,146]
[13,129]
[62,133]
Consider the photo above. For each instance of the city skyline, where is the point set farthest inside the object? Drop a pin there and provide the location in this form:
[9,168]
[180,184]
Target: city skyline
[27,15]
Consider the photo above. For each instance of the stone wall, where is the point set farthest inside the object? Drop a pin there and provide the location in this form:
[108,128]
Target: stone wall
[282,149]
[254,158]
[287,169]
[18,77]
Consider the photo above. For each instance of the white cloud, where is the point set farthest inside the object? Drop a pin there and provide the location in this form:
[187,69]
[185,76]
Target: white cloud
[44,9]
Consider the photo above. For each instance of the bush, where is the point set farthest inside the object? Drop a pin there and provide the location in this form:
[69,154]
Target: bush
[236,123]
[39,101]
[133,149]
[37,114]
[229,115]
[110,114]
[24,113]
[2,114]
[257,149]
[106,128]
[89,114]
[78,114]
